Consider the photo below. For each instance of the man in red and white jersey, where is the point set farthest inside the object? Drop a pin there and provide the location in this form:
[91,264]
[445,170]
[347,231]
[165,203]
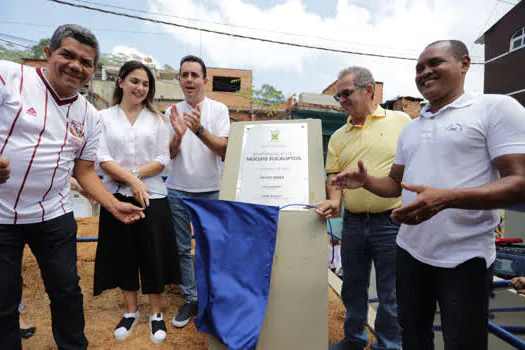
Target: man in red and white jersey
[47,132]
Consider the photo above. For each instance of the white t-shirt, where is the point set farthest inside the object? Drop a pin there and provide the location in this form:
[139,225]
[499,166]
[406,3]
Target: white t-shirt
[41,135]
[454,148]
[196,168]
[131,146]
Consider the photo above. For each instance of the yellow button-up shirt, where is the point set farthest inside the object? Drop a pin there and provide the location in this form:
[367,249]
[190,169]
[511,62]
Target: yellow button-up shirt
[374,143]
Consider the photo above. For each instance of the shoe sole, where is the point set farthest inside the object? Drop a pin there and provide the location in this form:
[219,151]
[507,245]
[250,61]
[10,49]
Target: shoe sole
[155,341]
[180,324]
[129,333]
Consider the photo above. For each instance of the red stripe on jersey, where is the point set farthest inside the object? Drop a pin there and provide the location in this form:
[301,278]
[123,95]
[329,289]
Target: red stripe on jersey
[43,211]
[2,80]
[17,114]
[61,202]
[11,130]
[58,100]
[59,152]
[82,150]
[30,162]
[58,159]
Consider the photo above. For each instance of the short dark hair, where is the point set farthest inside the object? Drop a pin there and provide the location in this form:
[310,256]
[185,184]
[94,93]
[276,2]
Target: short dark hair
[191,58]
[76,32]
[127,68]
[457,47]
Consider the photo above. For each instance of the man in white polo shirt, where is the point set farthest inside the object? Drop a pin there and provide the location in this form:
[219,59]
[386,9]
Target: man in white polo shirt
[461,160]
[199,136]
[47,132]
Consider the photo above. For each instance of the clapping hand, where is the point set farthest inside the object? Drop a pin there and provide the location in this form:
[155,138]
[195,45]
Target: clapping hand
[193,119]
[179,126]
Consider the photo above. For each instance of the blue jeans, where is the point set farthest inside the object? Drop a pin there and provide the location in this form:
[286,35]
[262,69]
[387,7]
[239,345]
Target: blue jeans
[181,224]
[367,238]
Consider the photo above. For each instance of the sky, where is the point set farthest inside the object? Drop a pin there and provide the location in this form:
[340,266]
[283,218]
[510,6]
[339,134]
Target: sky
[385,27]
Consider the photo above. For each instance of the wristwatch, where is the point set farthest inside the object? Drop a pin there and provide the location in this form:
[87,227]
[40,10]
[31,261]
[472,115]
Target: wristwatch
[136,173]
[199,130]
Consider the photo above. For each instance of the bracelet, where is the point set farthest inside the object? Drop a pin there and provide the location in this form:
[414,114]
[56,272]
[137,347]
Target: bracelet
[136,173]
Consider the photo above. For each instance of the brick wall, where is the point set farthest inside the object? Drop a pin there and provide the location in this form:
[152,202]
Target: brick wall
[37,63]
[231,99]
[409,106]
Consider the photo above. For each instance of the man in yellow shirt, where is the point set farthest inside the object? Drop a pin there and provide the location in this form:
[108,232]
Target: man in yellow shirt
[369,233]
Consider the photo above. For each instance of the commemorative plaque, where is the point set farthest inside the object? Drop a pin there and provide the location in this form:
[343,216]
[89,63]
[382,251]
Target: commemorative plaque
[274,165]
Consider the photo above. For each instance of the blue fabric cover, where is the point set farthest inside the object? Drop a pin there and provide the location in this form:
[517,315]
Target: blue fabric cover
[235,244]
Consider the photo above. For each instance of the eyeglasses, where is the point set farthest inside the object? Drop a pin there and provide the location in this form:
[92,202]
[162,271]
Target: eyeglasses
[346,93]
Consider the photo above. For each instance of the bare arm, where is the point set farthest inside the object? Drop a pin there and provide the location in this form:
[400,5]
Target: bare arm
[138,188]
[175,146]
[117,172]
[508,190]
[504,192]
[388,186]
[330,207]
[88,178]
[216,144]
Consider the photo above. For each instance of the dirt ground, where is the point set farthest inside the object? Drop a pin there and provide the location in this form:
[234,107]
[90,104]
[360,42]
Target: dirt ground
[103,312]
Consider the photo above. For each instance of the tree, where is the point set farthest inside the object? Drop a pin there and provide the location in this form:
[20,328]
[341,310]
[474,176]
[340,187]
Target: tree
[118,59]
[37,51]
[168,68]
[10,53]
[267,95]
[265,100]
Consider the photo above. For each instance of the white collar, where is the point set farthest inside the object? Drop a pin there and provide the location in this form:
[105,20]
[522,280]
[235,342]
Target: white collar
[462,101]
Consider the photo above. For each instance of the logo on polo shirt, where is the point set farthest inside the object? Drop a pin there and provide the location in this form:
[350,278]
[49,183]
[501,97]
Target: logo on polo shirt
[454,127]
[76,131]
[31,111]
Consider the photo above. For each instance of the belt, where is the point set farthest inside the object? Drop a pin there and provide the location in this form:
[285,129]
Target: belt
[368,215]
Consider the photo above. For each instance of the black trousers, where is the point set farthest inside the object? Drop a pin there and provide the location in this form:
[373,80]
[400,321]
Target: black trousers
[54,245]
[463,297]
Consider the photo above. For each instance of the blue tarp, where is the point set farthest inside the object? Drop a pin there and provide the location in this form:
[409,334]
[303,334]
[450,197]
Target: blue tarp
[519,207]
[235,245]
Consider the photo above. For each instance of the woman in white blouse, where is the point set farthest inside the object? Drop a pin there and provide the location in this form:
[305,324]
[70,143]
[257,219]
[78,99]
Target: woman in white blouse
[133,151]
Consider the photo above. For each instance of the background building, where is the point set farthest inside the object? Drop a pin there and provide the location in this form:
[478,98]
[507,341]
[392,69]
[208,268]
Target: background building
[505,55]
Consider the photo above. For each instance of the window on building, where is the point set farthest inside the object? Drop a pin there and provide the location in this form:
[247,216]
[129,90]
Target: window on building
[518,40]
[226,84]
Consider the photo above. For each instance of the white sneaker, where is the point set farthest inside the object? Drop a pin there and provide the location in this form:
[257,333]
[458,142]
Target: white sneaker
[157,328]
[126,324]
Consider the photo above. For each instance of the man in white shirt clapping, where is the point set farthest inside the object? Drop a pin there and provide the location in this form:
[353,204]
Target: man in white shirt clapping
[199,136]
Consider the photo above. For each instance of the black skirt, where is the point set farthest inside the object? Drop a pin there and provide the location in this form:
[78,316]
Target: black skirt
[146,248]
